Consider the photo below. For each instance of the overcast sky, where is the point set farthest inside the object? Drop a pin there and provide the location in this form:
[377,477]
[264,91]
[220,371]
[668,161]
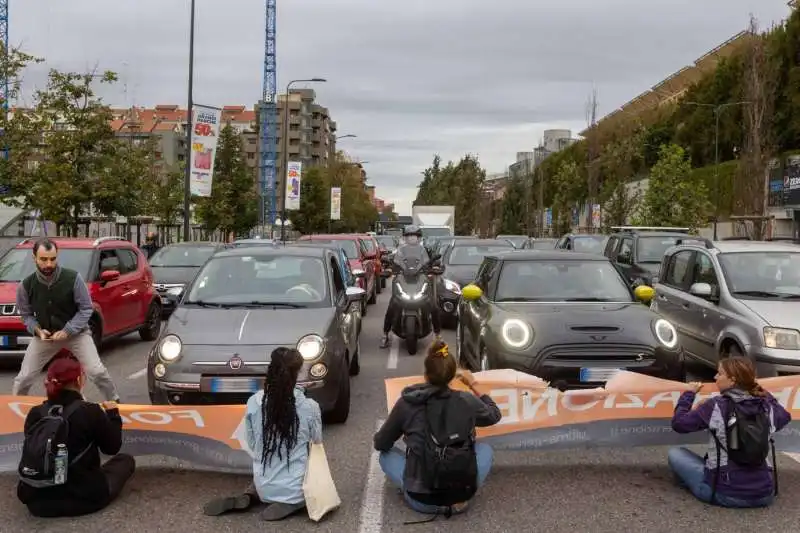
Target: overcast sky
[410,78]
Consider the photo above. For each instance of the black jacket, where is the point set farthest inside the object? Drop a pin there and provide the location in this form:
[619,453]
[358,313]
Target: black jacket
[407,419]
[86,489]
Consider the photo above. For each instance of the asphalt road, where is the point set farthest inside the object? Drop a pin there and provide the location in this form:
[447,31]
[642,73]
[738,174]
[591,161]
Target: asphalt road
[579,490]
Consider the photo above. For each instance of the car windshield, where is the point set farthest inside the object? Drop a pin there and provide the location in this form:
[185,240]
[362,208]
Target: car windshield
[561,281]
[762,274]
[261,279]
[182,256]
[473,255]
[386,241]
[589,244]
[544,244]
[18,264]
[370,244]
[516,240]
[349,247]
[652,249]
[435,232]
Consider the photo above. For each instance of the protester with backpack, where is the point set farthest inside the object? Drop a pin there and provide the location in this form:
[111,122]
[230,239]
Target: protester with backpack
[741,422]
[443,465]
[60,472]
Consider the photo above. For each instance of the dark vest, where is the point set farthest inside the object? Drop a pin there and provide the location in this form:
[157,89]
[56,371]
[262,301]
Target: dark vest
[55,305]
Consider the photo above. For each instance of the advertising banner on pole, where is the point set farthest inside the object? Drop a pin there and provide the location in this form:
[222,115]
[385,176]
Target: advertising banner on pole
[205,132]
[336,203]
[294,175]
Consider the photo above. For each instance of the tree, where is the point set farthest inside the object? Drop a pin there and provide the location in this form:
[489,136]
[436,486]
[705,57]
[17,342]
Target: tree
[567,181]
[123,185]
[165,194]
[73,147]
[233,204]
[512,208]
[457,184]
[358,212]
[314,213]
[673,197]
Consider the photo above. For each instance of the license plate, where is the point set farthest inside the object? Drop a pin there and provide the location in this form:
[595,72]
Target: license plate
[24,341]
[164,300]
[234,385]
[597,375]
[5,340]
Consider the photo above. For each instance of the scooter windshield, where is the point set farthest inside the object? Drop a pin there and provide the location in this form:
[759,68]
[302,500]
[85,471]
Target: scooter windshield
[410,259]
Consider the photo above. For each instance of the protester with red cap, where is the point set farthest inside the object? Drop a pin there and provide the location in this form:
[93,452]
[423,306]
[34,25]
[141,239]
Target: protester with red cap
[85,429]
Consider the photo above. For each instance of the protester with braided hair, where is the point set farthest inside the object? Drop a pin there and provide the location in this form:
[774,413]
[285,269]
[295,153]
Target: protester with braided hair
[280,423]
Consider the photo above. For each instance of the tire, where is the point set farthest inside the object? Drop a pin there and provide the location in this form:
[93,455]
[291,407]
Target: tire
[355,365]
[410,330]
[364,308]
[379,285]
[383,283]
[341,409]
[152,326]
[373,298]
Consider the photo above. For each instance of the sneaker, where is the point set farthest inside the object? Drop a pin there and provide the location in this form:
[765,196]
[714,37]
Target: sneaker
[385,341]
[227,504]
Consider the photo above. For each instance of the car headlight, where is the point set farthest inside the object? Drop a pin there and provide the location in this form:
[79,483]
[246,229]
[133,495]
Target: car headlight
[311,347]
[516,333]
[175,291]
[782,338]
[665,333]
[169,349]
[451,286]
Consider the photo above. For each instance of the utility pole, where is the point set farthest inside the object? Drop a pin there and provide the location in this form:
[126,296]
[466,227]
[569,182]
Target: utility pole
[187,186]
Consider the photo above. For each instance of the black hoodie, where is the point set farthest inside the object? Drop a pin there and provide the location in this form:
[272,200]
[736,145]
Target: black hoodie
[407,420]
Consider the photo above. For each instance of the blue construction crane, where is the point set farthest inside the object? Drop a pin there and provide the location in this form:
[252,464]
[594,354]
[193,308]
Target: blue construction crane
[268,131]
[4,92]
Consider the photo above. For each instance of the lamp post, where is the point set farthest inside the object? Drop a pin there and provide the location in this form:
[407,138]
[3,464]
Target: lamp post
[718,108]
[187,188]
[348,136]
[285,149]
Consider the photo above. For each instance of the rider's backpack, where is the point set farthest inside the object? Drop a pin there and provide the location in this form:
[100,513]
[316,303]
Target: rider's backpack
[448,458]
[37,468]
[749,440]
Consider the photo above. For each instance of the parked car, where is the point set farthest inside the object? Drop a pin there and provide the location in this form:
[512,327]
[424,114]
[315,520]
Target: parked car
[119,280]
[360,261]
[373,251]
[246,243]
[175,265]
[589,243]
[569,318]
[242,305]
[517,241]
[540,244]
[734,298]
[461,262]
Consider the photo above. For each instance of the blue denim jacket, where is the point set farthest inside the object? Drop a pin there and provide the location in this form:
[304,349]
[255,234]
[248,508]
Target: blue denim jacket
[282,480]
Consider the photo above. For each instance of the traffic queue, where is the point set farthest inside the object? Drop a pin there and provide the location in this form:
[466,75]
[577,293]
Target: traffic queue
[573,312]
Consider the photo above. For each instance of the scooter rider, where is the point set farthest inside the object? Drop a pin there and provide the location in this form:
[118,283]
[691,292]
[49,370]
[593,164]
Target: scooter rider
[411,248]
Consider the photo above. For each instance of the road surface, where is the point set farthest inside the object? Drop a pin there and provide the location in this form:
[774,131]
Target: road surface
[598,491]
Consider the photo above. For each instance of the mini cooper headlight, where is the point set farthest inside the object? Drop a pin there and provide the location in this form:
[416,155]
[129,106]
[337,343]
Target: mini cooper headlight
[516,333]
[665,333]
[169,349]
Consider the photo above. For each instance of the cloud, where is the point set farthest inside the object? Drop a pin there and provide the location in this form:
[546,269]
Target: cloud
[410,79]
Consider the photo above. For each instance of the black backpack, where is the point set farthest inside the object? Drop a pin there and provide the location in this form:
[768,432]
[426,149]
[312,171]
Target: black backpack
[37,466]
[448,458]
[749,439]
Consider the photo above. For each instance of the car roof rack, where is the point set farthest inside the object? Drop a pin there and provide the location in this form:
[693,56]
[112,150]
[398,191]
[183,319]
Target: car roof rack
[708,243]
[100,240]
[631,229]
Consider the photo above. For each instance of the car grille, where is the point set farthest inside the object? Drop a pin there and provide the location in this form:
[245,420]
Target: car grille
[577,354]
[162,288]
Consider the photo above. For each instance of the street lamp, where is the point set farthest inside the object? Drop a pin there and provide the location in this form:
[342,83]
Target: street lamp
[718,108]
[285,149]
[187,187]
[348,136]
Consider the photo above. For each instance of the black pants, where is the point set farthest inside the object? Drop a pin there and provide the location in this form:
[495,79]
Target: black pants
[394,307]
[117,470]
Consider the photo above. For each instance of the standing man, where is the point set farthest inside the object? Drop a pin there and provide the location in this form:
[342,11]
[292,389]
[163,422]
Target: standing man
[55,306]
[151,246]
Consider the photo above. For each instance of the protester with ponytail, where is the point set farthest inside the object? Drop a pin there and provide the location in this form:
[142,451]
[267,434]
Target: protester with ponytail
[280,424]
[741,421]
[88,429]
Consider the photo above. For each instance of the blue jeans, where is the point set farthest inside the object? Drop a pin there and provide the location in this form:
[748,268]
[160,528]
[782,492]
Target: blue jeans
[689,468]
[393,464]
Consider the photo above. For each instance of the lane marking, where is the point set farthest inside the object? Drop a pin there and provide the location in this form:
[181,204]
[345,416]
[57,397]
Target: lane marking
[138,374]
[371,520]
[394,351]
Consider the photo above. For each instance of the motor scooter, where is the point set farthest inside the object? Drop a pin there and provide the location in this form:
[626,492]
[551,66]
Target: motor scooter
[414,291]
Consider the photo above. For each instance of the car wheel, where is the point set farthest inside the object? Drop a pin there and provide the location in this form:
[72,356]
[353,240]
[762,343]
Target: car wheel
[383,283]
[152,326]
[363,308]
[378,285]
[97,332]
[355,365]
[374,296]
[341,409]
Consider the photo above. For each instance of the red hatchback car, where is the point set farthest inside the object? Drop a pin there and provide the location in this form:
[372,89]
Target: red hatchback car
[119,280]
[360,259]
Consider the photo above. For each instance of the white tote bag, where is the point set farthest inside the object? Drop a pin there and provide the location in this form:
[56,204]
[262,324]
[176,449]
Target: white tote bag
[318,486]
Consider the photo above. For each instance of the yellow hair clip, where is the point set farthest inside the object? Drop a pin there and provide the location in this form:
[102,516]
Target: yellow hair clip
[444,351]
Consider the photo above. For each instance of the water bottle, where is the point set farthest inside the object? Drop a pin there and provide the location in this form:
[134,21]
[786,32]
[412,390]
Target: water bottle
[60,476]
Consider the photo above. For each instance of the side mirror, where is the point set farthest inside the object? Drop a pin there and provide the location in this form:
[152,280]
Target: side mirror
[644,293]
[471,292]
[355,294]
[701,290]
[358,273]
[109,275]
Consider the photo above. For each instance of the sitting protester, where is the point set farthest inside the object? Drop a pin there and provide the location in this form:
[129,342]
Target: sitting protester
[281,423]
[741,422]
[431,413]
[60,471]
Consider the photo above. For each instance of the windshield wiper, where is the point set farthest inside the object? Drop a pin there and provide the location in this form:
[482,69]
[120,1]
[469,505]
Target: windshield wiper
[758,294]
[588,300]
[201,303]
[518,299]
[274,304]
